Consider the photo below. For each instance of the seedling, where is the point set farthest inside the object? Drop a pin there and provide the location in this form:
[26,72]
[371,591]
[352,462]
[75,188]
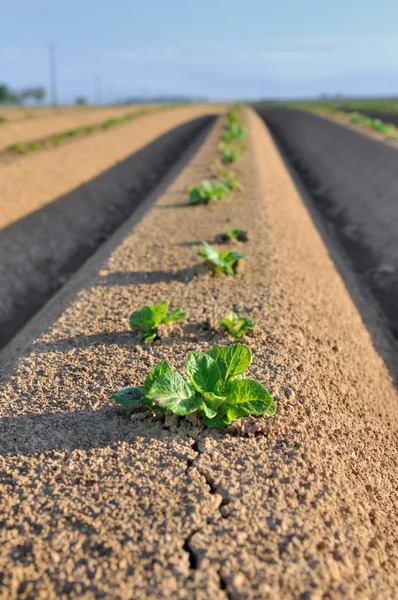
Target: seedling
[231,182]
[234,233]
[207,192]
[3,119]
[19,147]
[148,318]
[229,154]
[237,326]
[34,147]
[73,133]
[216,388]
[234,131]
[224,262]
[233,116]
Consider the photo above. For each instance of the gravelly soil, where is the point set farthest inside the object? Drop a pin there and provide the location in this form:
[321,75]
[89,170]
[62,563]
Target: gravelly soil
[354,182]
[33,129]
[98,504]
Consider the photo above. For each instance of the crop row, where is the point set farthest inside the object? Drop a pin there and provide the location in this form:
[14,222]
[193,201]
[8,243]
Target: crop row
[356,118]
[215,385]
[59,138]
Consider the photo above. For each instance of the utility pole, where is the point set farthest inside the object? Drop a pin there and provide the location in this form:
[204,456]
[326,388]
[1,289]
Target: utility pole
[53,73]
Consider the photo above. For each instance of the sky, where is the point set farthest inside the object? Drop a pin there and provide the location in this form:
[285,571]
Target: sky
[219,49]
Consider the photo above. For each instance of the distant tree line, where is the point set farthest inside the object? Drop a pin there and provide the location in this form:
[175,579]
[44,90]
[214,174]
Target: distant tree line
[9,96]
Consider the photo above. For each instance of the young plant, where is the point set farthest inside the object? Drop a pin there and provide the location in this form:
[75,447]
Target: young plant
[207,192]
[233,116]
[34,147]
[237,326]
[234,233]
[234,131]
[224,262]
[3,119]
[229,154]
[216,388]
[148,318]
[19,147]
[230,182]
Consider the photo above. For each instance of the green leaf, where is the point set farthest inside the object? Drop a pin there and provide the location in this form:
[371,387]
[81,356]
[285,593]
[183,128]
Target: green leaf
[217,421]
[208,192]
[129,397]
[159,369]
[208,412]
[248,397]
[149,337]
[175,315]
[203,372]
[222,262]
[232,232]
[231,360]
[148,318]
[172,392]
[237,326]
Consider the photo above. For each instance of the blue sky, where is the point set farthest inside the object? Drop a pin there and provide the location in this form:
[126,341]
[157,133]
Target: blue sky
[214,48]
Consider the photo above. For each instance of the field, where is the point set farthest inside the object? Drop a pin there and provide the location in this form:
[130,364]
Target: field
[189,485]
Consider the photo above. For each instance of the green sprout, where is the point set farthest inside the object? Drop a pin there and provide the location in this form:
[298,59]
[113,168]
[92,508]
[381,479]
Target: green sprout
[207,192]
[3,119]
[225,262]
[237,326]
[34,147]
[148,318]
[216,388]
[234,233]
[230,182]
[234,131]
[19,147]
[229,153]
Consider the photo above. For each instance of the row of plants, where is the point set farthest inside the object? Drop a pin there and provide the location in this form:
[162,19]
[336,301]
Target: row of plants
[356,118]
[148,319]
[378,125]
[59,138]
[215,385]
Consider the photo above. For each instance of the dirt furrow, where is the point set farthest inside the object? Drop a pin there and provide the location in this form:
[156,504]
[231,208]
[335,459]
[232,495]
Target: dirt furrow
[101,503]
[40,128]
[354,183]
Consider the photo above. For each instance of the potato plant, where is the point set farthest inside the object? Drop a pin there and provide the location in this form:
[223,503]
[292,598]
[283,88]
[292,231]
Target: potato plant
[225,262]
[208,192]
[234,233]
[229,153]
[215,386]
[148,318]
[237,326]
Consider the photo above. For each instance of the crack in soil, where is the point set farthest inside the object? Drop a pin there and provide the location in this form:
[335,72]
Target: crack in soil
[194,557]
[224,586]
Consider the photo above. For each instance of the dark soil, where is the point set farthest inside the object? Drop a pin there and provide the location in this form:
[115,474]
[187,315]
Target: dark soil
[353,180]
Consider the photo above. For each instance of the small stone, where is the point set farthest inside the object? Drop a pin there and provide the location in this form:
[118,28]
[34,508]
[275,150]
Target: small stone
[289,393]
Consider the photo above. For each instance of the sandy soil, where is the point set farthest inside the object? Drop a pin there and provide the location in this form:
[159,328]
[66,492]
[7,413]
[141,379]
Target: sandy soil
[36,180]
[96,504]
[34,129]
[21,113]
